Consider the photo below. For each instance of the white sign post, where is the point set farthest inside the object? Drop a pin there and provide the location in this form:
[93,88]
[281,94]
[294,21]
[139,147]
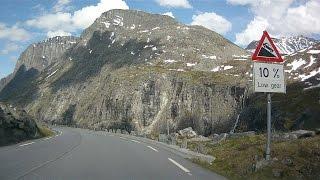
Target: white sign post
[269,78]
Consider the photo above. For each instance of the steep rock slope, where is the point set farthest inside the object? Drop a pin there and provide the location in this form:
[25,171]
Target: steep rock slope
[136,70]
[40,55]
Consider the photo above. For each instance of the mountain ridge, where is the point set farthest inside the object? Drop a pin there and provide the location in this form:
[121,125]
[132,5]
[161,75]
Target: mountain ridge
[287,45]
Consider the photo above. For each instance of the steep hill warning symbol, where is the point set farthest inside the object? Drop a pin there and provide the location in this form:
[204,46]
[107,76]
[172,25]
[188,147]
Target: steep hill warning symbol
[266,50]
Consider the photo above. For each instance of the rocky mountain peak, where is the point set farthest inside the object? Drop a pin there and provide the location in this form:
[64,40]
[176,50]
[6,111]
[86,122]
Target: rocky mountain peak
[42,54]
[287,45]
[159,40]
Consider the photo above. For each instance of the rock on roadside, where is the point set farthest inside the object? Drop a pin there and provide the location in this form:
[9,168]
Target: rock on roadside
[188,133]
[303,133]
[16,125]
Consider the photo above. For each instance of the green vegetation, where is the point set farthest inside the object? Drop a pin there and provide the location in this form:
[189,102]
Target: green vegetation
[235,158]
[45,131]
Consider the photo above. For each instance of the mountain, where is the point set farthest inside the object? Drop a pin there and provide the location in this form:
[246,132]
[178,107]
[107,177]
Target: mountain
[287,45]
[138,71]
[303,65]
[135,69]
[39,55]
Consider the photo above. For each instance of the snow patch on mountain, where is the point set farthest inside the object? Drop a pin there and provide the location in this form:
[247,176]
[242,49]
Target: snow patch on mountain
[311,74]
[314,51]
[296,64]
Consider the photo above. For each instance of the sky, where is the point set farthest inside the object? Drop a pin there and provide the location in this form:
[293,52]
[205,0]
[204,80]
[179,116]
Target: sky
[23,22]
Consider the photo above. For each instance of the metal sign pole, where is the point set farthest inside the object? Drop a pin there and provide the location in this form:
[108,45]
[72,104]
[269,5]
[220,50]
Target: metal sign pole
[268,127]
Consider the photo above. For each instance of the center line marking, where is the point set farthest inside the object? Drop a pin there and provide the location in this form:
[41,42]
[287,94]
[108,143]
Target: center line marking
[123,138]
[180,166]
[135,141]
[26,144]
[153,148]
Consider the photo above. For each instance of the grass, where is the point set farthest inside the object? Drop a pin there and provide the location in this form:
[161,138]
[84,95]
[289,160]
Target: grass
[235,158]
[45,131]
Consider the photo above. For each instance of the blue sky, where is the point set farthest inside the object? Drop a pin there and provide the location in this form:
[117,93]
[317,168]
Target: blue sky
[23,22]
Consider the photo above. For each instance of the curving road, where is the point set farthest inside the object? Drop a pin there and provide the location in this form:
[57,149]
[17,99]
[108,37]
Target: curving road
[83,154]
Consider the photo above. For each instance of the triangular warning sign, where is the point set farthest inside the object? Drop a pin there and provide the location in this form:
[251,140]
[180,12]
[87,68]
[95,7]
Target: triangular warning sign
[266,50]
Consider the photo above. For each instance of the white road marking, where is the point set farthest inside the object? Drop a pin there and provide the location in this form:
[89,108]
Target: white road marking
[179,165]
[48,138]
[135,141]
[26,144]
[153,148]
[123,138]
[111,135]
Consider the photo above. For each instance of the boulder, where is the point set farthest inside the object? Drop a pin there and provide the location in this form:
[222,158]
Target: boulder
[243,134]
[188,132]
[287,161]
[277,173]
[284,137]
[200,138]
[219,138]
[261,164]
[303,133]
[163,138]
[133,133]
[16,125]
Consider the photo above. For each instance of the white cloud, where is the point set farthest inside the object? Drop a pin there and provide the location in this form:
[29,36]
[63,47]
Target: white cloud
[174,3]
[80,19]
[303,19]
[13,33]
[51,34]
[169,14]
[61,5]
[86,16]
[212,21]
[265,8]
[53,22]
[10,47]
[252,32]
[280,18]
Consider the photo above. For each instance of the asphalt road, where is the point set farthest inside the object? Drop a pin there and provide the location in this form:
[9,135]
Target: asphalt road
[83,154]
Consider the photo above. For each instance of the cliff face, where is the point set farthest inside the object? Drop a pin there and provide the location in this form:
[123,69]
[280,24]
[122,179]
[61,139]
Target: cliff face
[137,71]
[146,101]
[42,54]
